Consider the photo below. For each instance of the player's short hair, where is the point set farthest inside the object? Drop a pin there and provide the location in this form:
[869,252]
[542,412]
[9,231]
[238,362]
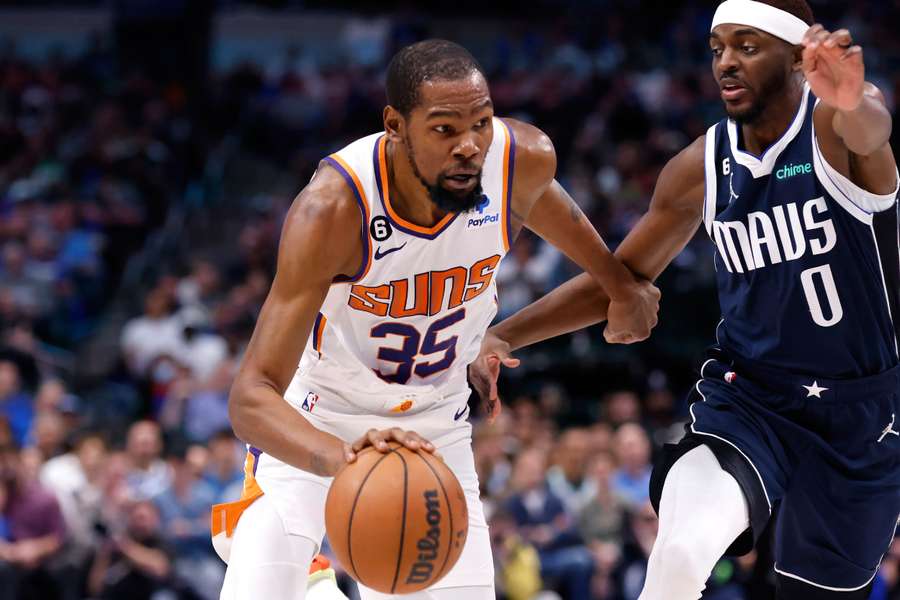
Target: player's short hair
[799,8]
[430,60]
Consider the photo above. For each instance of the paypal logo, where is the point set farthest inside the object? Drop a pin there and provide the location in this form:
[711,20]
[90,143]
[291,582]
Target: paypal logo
[481,221]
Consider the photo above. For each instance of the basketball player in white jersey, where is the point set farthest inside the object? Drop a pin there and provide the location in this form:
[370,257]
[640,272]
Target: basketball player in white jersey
[385,286]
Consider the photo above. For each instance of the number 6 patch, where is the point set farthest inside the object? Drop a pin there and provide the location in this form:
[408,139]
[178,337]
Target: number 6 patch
[380,228]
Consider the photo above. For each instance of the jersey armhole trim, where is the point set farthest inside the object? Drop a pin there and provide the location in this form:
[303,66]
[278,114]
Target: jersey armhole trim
[359,193]
[711,191]
[865,202]
[509,169]
[319,333]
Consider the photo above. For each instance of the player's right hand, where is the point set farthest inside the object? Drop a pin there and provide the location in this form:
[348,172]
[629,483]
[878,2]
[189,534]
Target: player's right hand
[631,319]
[485,370]
[379,439]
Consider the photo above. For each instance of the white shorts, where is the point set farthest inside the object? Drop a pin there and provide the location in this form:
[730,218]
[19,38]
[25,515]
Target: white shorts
[299,496]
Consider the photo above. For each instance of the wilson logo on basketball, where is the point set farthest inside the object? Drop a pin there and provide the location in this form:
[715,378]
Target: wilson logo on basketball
[428,546]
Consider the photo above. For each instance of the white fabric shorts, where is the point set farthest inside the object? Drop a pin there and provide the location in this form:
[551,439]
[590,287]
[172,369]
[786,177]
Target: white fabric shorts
[299,496]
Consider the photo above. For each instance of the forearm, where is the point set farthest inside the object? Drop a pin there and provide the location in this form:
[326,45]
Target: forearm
[263,418]
[578,303]
[865,129]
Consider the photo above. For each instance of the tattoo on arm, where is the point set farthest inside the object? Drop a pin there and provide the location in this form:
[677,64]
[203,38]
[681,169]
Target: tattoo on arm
[574,210]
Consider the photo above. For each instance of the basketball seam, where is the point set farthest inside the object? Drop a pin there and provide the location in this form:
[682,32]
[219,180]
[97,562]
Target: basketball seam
[352,511]
[402,519]
[449,514]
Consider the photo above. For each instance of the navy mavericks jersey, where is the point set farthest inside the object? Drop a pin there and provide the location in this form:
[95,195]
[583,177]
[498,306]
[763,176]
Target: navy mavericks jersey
[807,262]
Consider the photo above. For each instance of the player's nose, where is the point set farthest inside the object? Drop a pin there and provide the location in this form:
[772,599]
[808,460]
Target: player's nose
[729,61]
[467,148]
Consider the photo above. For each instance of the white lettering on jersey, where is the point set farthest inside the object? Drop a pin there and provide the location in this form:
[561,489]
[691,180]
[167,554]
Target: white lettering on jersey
[760,243]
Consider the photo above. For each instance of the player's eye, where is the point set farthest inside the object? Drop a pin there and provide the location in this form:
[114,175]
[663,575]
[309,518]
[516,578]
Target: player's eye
[748,49]
[481,124]
[443,129]
[716,51]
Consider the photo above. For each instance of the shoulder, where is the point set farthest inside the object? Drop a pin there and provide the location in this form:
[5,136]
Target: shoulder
[535,154]
[326,206]
[684,174]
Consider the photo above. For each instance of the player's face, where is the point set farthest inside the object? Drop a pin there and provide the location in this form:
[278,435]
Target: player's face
[447,137]
[752,69]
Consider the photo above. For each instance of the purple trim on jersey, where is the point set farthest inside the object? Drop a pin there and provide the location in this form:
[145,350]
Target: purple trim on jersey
[509,182]
[364,232]
[387,213]
[256,452]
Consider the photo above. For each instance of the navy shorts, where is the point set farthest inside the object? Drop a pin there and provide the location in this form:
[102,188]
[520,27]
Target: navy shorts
[823,455]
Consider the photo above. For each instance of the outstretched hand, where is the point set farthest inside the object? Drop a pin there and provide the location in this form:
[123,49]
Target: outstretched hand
[485,370]
[834,67]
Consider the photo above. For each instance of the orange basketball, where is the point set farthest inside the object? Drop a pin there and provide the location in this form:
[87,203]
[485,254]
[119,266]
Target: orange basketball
[396,521]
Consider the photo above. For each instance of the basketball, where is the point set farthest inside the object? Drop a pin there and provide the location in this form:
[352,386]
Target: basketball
[396,521]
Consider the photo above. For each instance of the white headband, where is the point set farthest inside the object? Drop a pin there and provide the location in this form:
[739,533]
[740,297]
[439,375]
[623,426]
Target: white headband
[764,17]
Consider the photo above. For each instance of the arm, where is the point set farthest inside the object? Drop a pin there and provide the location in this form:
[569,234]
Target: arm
[675,213]
[542,205]
[320,240]
[853,125]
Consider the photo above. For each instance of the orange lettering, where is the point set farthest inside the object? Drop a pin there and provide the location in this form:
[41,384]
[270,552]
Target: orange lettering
[480,276]
[457,277]
[401,292]
[370,299]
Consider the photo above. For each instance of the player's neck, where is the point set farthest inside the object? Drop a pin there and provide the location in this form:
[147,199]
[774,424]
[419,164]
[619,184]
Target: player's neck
[770,126]
[408,197]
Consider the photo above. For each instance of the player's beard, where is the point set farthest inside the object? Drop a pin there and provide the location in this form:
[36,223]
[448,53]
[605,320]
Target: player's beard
[770,92]
[445,199]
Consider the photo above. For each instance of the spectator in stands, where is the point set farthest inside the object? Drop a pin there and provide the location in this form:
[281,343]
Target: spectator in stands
[631,481]
[134,563]
[155,334]
[77,479]
[36,532]
[184,509]
[15,403]
[48,434]
[224,470]
[643,527]
[566,478]
[542,521]
[601,522]
[147,474]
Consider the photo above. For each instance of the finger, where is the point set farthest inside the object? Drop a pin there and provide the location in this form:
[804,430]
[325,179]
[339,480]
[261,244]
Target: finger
[361,442]
[349,454]
[811,33]
[511,362]
[414,441]
[376,438]
[854,52]
[840,38]
[809,58]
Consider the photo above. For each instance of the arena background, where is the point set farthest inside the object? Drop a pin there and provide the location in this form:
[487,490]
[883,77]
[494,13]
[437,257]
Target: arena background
[148,152]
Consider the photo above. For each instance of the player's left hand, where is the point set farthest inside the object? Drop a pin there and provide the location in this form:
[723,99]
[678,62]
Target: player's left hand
[485,371]
[631,318]
[379,439]
[834,67]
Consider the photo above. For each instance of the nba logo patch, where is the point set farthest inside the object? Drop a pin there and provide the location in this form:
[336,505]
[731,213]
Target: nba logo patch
[310,402]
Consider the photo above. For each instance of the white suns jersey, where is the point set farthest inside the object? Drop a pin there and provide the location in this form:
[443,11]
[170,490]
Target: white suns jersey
[413,317]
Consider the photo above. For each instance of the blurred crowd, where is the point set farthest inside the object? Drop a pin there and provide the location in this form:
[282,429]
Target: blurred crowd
[105,487]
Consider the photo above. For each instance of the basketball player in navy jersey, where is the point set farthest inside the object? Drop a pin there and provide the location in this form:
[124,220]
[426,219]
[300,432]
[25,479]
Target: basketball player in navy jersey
[796,412]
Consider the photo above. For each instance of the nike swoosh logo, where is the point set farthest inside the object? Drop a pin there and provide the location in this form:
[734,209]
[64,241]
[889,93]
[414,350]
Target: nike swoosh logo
[379,254]
[460,413]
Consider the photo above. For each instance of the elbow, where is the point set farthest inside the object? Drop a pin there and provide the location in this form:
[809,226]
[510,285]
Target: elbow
[240,411]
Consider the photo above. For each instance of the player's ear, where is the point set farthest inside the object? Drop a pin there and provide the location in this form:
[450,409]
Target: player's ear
[393,121]
[797,66]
